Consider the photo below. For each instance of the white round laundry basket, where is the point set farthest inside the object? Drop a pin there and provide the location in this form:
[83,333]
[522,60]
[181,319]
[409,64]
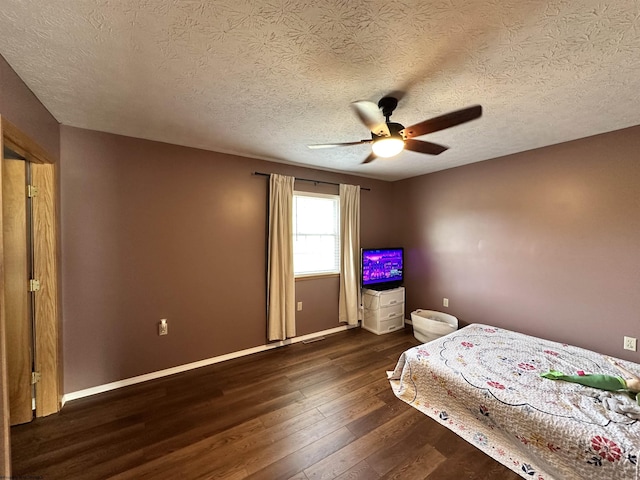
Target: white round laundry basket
[429,324]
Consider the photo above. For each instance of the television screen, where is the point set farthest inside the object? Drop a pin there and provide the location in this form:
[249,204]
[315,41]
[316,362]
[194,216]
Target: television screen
[382,267]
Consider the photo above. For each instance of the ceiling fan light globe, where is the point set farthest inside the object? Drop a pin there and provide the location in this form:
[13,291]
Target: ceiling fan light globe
[388,147]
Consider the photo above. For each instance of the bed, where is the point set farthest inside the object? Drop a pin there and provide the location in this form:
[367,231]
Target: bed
[484,384]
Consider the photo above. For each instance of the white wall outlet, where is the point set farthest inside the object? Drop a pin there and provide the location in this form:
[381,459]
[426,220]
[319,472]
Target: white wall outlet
[445,302]
[299,306]
[630,343]
[163,327]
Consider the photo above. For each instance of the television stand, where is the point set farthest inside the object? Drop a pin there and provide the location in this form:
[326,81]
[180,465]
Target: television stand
[383,310]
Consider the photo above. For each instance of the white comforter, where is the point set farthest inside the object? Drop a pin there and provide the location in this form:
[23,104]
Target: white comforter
[484,383]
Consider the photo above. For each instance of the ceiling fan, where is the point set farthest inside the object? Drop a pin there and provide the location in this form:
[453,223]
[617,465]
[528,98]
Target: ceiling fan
[389,138]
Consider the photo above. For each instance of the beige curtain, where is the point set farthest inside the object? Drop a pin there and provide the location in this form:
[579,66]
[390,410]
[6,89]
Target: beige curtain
[281,311]
[349,303]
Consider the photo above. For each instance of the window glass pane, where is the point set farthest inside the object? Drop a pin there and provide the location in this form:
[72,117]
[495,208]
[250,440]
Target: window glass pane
[314,254]
[315,215]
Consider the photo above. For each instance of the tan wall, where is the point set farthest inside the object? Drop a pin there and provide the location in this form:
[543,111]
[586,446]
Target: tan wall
[546,242]
[151,231]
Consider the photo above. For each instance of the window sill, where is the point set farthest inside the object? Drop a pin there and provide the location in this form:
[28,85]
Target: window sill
[315,276]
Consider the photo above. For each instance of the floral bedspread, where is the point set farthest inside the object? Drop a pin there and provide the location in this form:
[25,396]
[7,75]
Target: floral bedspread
[484,384]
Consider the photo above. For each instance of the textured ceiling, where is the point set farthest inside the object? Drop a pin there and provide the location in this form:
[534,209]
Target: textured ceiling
[265,78]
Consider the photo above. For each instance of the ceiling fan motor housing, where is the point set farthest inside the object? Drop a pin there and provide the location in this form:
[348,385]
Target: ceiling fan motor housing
[394,131]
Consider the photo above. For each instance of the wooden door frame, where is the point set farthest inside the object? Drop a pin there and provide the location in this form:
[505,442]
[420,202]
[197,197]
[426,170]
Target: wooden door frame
[48,335]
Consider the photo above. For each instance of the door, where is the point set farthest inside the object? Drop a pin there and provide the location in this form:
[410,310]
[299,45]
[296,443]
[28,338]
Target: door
[18,329]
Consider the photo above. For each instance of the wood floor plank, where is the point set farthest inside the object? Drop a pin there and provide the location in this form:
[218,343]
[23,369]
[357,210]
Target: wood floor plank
[301,412]
[307,440]
[219,419]
[195,438]
[336,388]
[69,422]
[380,416]
[360,471]
[313,376]
[341,461]
[230,451]
[286,413]
[470,463]
[76,447]
[362,393]
[387,459]
[85,464]
[239,475]
[310,435]
[297,461]
[417,466]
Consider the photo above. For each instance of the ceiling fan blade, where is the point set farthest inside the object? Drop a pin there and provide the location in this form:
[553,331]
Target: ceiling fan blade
[444,121]
[346,144]
[424,147]
[370,158]
[369,113]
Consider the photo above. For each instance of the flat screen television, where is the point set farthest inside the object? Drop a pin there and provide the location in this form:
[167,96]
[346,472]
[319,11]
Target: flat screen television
[382,268]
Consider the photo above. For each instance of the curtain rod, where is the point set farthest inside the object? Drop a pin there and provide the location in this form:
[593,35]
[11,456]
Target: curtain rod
[309,180]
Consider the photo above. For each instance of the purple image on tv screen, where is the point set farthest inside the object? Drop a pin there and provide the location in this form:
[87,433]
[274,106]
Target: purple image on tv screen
[384,265]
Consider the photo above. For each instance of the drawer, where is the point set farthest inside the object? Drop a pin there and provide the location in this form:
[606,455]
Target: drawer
[392,297]
[373,299]
[390,311]
[385,312]
[391,324]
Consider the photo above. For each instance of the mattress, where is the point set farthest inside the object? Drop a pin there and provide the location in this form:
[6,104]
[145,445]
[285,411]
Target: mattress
[484,384]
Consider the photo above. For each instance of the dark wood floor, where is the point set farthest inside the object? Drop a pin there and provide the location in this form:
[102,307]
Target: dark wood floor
[306,411]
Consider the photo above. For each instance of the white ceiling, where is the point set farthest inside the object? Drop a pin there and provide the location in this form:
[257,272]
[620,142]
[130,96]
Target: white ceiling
[265,78]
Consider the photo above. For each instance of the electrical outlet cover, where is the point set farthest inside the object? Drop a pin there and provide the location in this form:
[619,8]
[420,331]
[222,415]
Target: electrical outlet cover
[630,343]
[163,327]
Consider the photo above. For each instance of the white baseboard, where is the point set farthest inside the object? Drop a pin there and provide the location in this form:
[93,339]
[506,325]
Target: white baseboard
[190,366]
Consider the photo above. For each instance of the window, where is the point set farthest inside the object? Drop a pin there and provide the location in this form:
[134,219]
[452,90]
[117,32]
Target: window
[316,234]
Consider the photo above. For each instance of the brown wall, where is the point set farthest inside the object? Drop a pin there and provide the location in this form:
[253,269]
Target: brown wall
[151,231]
[546,242]
[22,108]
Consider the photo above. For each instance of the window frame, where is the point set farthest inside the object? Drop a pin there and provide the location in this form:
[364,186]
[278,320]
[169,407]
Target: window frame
[336,199]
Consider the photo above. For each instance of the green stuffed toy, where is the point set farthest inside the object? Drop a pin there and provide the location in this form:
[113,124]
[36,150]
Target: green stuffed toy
[630,384]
